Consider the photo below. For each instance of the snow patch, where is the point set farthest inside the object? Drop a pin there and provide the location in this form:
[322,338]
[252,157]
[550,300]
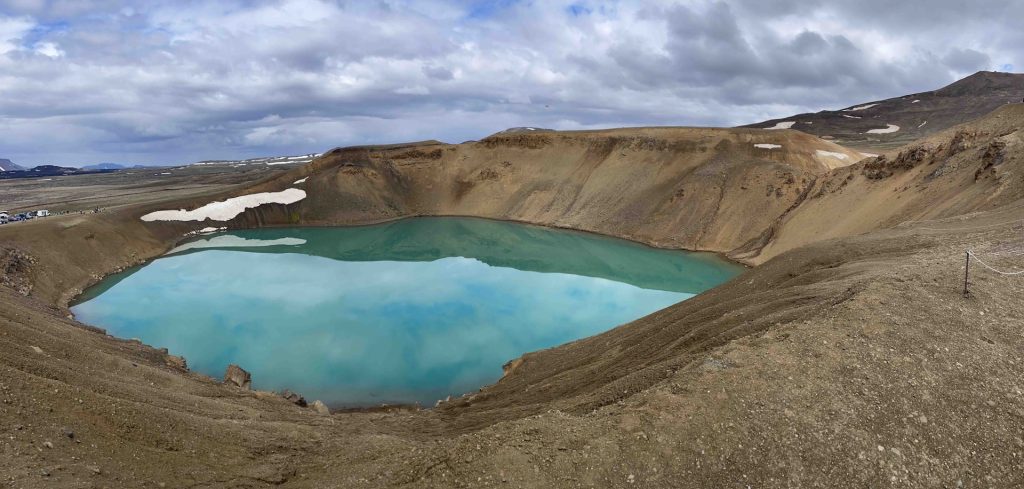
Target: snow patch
[767,146]
[914,102]
[850,116]
[888,130]
[197,232]
[860,107]
[301,180]
[229,241]
[781,125]
[228,209]
[869,155]
[922,124]
[832,154]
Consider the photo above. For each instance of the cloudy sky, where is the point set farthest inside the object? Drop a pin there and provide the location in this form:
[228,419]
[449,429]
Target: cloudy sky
[86,81]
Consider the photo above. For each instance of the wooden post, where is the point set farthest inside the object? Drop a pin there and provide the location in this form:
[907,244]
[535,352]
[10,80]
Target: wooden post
[967,269]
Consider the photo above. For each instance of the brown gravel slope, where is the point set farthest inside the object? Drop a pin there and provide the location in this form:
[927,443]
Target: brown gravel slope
[967,168]
[853,361]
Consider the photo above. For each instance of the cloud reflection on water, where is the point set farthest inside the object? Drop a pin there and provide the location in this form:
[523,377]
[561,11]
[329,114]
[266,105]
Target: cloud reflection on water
[362,332]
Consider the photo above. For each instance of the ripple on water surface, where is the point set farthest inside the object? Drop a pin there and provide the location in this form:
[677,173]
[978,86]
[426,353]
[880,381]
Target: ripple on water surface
[404,312]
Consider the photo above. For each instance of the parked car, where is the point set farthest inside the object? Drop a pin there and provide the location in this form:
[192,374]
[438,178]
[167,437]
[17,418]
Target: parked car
[40,213]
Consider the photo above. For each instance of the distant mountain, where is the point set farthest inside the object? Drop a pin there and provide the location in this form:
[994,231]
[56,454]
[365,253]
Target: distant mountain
[47,171]
[886,124]
[520,130]
[105,166]
[267,160]
[50,170]
[8,165]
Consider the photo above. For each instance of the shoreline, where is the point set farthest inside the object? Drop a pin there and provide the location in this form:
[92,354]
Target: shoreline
[389,406]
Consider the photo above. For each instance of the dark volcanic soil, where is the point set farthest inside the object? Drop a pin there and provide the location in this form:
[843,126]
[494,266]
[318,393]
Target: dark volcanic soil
[917,115]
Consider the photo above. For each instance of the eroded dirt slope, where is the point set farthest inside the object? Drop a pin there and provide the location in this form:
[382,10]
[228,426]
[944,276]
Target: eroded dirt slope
[967,168]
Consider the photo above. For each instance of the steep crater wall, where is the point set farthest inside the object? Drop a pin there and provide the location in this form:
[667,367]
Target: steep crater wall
[698,189]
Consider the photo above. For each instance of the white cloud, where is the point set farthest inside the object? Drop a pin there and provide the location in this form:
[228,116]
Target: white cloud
[168,82]
[48,49]
[11,31]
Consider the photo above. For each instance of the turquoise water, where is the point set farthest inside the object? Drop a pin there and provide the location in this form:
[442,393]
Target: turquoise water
[404,312]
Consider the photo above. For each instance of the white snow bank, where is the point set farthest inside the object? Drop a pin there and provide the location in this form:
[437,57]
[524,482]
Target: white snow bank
[922,124]
[860,107]
[914,102]
[781,125]
[228,209]
[301,180]
[869,155]
[228,241]
[767,146]
[833,154]
[888,130]
[850,116]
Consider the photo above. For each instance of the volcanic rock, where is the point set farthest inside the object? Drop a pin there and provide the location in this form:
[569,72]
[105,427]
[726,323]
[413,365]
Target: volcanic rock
[238,376]
[294,398]
[320,407]
[177,362]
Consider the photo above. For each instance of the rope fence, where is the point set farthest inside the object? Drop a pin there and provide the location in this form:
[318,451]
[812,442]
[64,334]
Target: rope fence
[967,270]
[994,269]
[1003,250]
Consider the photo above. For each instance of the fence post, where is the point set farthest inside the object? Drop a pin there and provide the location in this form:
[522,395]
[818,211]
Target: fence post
[967,269]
